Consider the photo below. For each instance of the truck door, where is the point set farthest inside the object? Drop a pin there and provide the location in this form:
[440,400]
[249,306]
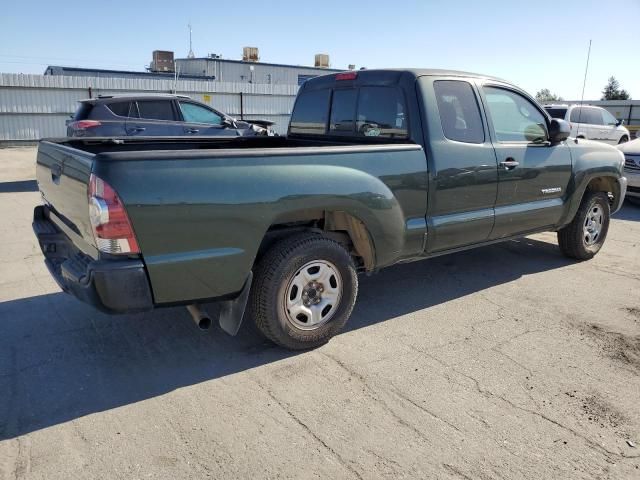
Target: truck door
[532,174]
[463,166]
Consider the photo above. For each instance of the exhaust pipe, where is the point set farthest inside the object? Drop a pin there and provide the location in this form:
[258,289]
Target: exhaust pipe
[201,318]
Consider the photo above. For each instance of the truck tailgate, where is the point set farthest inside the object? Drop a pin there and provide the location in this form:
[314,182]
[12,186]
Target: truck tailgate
[63,177]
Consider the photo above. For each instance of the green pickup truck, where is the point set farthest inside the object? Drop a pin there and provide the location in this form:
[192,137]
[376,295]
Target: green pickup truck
[378,167]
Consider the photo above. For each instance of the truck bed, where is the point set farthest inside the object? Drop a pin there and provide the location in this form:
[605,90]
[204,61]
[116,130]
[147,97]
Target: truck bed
[136,144]
[200,207]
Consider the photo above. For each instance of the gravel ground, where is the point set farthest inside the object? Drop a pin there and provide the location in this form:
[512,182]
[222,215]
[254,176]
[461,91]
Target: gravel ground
[508,361]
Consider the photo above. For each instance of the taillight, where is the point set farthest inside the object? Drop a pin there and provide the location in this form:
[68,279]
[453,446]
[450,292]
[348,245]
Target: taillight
[84,124]
[347,76]
[111,226]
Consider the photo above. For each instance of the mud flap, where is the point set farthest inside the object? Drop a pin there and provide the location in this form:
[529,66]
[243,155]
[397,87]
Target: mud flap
[232,311]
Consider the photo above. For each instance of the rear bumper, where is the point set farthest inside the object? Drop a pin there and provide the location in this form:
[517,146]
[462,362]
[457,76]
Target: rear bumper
[112,286]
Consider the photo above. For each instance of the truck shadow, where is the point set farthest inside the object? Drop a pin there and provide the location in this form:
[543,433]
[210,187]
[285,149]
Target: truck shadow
[19,186]
[629,211]
[61,360]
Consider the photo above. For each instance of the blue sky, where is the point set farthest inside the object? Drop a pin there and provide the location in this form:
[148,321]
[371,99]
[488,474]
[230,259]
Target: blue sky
[536,45]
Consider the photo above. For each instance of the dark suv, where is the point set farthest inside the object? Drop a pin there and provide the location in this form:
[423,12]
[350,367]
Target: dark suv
[156,115]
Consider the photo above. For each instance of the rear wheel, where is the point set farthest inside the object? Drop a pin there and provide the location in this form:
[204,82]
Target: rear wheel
[585,235]
[304,292]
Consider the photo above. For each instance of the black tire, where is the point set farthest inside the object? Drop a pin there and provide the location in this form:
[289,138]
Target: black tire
[275,275]
[623,139]
[573,239]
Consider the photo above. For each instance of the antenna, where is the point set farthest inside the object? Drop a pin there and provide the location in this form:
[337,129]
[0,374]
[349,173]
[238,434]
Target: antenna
[584,82]
[191,55]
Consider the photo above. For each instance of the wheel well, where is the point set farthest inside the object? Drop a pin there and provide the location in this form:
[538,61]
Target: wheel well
[337,225]
[604,184]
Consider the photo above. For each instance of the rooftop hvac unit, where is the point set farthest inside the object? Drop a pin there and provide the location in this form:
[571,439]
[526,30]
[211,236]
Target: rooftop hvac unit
[250,54]
[162,61]
[322,60]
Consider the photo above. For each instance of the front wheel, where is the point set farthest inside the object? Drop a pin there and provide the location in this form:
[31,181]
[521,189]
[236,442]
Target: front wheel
[304,291]
[586,233]
[623,139]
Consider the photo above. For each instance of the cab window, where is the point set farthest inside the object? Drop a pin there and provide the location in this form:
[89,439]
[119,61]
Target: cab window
[514,118]
[343,111]
[381,113]
[459,112]
[193,113]
[310,113]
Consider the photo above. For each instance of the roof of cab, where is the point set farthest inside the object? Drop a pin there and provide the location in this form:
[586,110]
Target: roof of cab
[389,75]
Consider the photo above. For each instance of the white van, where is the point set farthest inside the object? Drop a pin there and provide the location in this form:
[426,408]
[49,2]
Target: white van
[590,122]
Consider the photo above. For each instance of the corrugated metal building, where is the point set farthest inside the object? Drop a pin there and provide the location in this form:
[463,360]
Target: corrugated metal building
[225,70]
[36,106]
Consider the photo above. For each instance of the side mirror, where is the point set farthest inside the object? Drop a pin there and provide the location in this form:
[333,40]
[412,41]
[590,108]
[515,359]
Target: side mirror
[559,130]
[619,122]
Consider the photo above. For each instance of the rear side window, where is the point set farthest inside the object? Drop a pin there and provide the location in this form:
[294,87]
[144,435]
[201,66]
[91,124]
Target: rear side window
[156,110]
[120,108]
[595,116]
[83,111]
[459,111]
[608,118]
[578,116]
[381,113]
[589,115]
[557,112]
[343,111]
[310,113]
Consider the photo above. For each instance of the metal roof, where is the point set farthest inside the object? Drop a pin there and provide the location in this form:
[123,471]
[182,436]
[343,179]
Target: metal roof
[228,60]
[54,69]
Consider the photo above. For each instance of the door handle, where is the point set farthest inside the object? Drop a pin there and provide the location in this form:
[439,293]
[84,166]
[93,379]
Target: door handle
[192,130]
[137,129]
[510,164]
[56,172]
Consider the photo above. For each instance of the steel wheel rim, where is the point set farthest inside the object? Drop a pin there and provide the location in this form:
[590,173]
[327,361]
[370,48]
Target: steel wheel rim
[592,228]
[313,295]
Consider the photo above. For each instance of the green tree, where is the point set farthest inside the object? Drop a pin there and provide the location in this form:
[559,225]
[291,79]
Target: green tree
[545,95]
[612,91]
